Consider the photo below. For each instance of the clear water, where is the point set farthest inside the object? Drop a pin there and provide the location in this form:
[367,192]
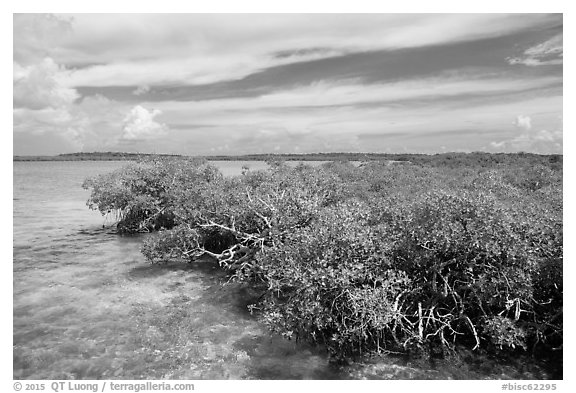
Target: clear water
[88,306]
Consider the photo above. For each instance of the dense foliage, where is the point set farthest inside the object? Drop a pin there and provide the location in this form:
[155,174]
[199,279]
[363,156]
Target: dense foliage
[411,258]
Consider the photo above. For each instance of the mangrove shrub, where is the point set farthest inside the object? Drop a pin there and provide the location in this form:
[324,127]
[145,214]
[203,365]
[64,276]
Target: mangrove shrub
[410,258]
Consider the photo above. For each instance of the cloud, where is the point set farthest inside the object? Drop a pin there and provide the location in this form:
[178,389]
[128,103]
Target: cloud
[330,96]
[40,121]
[301,116]
[94,123]
[551,47]
[37,86]
[530,140]
[46,108]
[200,49]
[139,124]
[549,52]
[99,121]
[542,142]
[37,35]
[190,71]
[56,123]
[37,76]
[548,136]
[129,36]
[523,122]
[140,90]
[53,57]
[43,107]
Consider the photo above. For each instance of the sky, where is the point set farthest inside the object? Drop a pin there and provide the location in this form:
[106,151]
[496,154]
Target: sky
[231,84]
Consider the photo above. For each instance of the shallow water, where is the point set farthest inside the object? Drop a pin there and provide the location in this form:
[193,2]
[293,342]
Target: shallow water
[88,306]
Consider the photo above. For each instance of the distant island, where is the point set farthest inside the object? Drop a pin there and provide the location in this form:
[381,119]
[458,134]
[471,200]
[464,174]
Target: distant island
[95,156]
[450,159]
[122,156]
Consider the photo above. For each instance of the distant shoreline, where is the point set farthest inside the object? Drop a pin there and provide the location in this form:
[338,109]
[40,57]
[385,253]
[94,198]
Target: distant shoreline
[109,156]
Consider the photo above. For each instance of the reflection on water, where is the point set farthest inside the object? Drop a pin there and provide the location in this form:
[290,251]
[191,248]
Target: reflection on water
[88,306]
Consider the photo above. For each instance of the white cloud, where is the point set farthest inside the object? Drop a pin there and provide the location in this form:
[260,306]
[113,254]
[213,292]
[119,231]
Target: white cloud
[146,50]
[36,36]
[304,115]
[139,124]
[523,122]
[219,47]
[45,108]
[40,121]
[48,121]
[530,140]
[140,90]
[37,86]
[93,123]
[554,46]
[548,136]
[542,141]
[208,34]
[533,62]
[190,71]
[313,98]
[549,52]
